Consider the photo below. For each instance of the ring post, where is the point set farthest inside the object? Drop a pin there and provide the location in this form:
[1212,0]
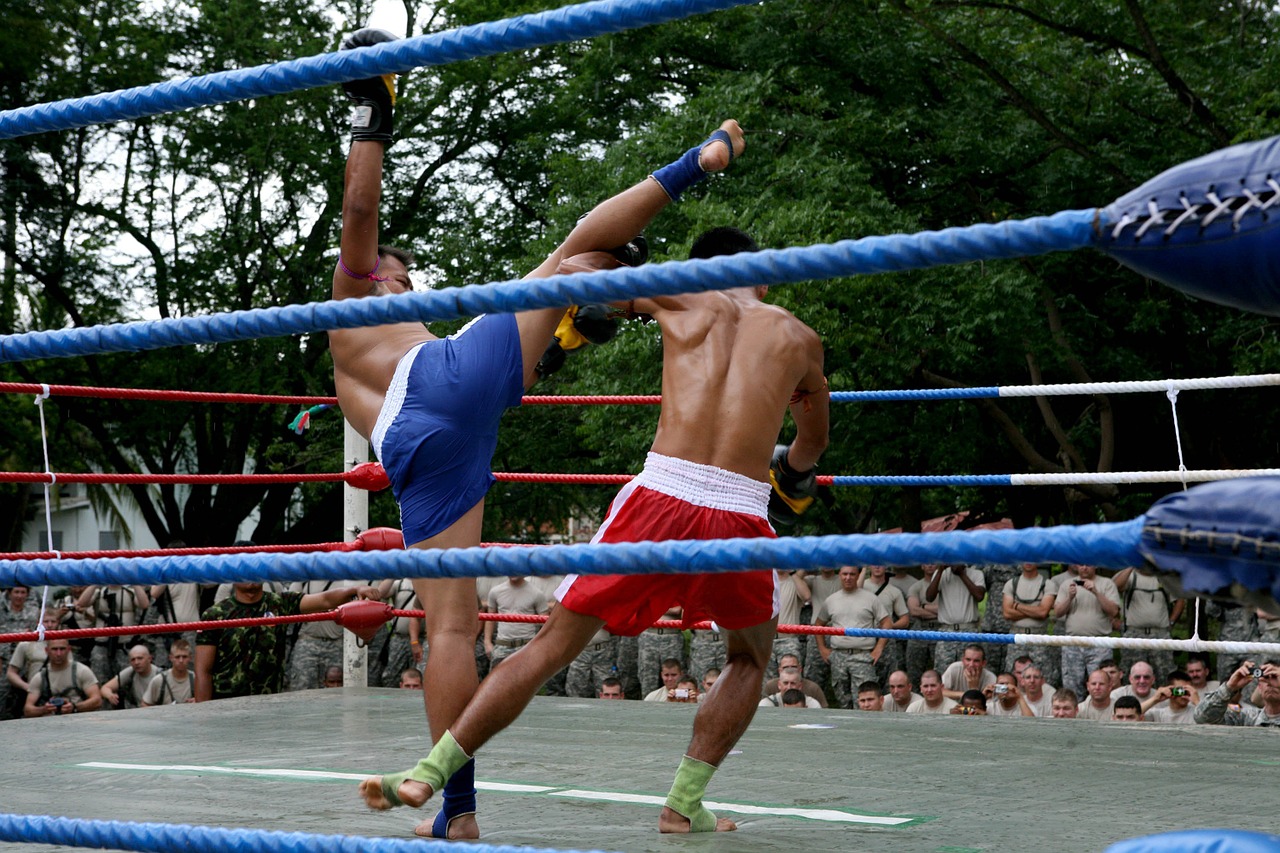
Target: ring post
[355,520]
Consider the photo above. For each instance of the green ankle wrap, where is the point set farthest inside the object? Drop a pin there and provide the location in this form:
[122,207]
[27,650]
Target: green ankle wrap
[687,792]
[445,759]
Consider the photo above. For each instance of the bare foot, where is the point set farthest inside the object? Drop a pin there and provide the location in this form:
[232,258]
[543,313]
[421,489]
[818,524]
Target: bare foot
[411,793]
[714,157]
[461,828]
[670,821]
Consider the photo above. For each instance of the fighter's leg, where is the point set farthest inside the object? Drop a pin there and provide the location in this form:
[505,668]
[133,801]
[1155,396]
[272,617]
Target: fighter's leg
[721,719]
[452,622]
[506,693]
[510,687]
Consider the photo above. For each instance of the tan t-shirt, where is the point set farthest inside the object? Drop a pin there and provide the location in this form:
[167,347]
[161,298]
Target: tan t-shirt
[1030,592]
[955,604]
[72,682]
[789,600]
[1086,711]
[953,678]
[1085,618]
[1042,707]
[891,597]
[893,706]
[28,657]
[1146,602]
[822,586]
[167,689]
[524,599]
[921,707]
[857,609]
[184,598]
[132,687]
[917,591]
[402,597]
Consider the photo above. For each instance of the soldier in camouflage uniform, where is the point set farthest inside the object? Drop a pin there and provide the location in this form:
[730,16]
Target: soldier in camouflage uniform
[399,654]
[1239,625]
[16,614]
[706,651]
[656,645]
[319,645]
[993,621]
[589,669]
[924,617]
[821,585]
[793,594]
[628,662]
[878,580]
[110,606]
[250,661]
[1021,600]
[958,591]
[557,685]
[1148,613]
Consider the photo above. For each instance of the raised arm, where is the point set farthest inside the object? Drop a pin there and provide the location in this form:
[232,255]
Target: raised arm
[618,219]
[372,120]
[810,408]
[611,224]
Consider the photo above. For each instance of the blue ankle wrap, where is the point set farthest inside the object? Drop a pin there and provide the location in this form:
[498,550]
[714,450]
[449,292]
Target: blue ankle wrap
[460,791]
[459,798]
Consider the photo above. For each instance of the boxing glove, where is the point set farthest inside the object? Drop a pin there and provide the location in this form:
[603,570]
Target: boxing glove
[793,491]
[373,99]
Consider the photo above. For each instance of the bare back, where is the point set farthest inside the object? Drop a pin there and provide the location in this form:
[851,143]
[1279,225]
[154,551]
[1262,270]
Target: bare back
[365,359]
[731,364]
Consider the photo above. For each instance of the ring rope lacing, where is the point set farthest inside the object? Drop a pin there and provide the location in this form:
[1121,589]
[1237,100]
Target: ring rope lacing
[1206,212]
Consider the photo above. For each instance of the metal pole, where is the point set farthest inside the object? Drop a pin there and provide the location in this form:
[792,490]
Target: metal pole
[355,520]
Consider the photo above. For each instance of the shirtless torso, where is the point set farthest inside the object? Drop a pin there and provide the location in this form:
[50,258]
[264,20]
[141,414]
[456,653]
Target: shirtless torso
[365,359]
[731,364]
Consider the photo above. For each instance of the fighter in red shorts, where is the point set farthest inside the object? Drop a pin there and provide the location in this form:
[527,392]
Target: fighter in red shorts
[731,367]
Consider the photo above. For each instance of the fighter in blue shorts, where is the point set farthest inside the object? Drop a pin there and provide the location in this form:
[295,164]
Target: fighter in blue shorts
[431,406]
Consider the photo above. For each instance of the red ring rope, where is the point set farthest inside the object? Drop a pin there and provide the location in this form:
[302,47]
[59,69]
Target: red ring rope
[216,397]
[332,615]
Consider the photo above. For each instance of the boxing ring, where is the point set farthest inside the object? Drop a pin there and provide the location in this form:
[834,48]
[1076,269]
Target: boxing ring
[586,774]
[280,771]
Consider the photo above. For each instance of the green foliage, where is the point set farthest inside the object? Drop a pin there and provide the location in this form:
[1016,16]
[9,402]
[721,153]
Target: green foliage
[864,118]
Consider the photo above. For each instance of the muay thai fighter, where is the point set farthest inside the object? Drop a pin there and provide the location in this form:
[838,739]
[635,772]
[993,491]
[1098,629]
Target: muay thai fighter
[431,406]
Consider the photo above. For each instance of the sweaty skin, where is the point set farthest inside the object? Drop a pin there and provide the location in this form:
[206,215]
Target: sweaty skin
[365,361]
[731,365]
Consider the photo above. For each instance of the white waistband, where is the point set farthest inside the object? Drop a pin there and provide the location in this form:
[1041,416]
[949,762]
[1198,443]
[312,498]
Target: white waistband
[394,400]
[704,485]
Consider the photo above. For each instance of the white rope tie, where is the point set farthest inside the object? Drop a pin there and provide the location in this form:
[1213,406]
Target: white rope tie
[48,502]
[1219,207]
[1155,217]
[1172,394]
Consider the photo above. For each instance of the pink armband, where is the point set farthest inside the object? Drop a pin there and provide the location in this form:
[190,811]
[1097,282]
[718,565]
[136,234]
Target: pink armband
[371,276]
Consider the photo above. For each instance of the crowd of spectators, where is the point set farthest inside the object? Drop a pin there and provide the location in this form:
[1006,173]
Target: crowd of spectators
[808,671]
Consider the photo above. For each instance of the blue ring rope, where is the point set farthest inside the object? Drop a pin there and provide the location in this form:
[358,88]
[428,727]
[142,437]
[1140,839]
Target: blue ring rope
[570,23]
[170,837]
[978,393]
[931,636]
[925,481]
[1114,545]
[1072,229]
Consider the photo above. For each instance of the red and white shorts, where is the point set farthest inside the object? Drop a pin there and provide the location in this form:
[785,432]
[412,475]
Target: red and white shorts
[676,499]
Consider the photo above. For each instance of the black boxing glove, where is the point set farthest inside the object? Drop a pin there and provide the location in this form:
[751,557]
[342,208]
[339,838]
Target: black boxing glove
[632,253]
[551,361]
[793,491]
[374,98]
[586,324]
